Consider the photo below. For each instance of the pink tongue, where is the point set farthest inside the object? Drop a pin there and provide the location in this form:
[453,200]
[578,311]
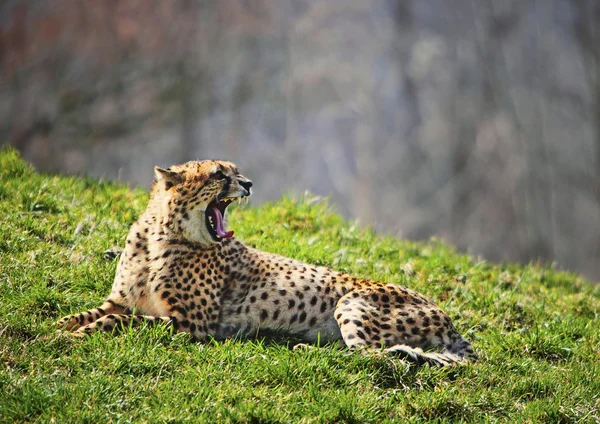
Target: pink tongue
[216,213]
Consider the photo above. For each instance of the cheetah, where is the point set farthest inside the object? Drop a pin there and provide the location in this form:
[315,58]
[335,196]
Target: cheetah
[182,267]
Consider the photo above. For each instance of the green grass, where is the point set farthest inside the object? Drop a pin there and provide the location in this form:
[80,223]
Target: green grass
[537,329]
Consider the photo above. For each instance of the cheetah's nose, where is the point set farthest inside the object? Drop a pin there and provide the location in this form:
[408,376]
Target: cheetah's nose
[246,185]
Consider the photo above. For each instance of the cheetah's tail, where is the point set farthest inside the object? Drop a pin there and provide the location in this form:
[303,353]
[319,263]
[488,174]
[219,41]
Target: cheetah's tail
[419,357]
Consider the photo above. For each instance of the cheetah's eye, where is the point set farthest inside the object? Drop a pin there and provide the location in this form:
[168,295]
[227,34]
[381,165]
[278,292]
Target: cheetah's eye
[219,175]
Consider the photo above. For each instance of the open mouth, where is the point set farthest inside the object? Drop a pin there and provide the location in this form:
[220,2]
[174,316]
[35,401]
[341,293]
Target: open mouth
[215,214]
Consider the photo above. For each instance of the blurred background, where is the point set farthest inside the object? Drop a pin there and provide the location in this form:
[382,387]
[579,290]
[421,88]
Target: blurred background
[477,121]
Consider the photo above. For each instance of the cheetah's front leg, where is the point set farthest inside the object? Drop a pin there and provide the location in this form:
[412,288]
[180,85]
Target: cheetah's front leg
[114,322]
[80,319]
[197,324]
[200,322]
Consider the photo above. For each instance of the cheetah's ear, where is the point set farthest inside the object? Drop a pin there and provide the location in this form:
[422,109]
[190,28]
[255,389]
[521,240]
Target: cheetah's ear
[170,178]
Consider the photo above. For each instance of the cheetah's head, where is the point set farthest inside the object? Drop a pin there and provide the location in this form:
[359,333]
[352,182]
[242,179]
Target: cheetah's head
[193,197]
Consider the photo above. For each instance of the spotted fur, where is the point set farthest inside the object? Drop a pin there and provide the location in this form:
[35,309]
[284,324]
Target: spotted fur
[175,270]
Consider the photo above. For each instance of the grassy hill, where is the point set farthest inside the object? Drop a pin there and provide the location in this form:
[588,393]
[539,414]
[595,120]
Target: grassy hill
[537,329]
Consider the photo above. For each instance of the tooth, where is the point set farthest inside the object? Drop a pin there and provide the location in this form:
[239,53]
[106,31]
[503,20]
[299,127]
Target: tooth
[239,199]
[246,199]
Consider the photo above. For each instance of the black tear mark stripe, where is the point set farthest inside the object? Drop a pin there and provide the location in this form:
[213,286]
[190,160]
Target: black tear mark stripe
[227,185]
